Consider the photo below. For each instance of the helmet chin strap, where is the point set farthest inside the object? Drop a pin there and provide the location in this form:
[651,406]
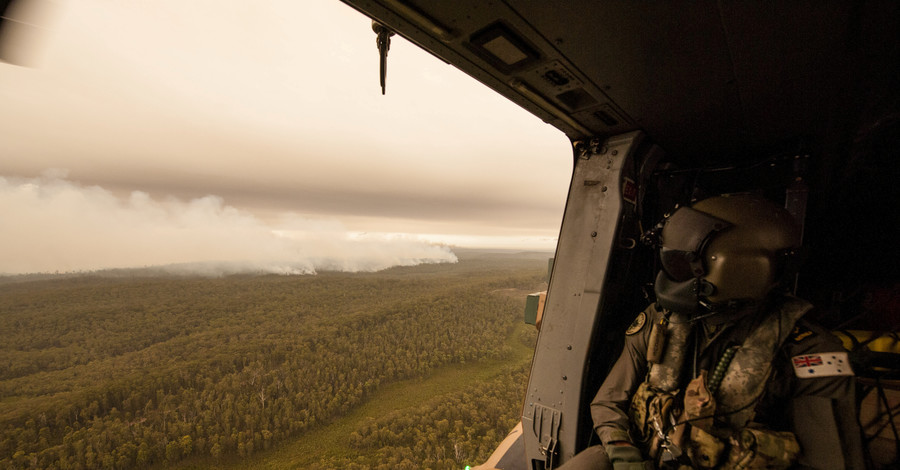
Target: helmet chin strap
[726,312]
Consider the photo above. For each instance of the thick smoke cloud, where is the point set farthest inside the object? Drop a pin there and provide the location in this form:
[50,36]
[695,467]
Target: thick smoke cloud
[51,224]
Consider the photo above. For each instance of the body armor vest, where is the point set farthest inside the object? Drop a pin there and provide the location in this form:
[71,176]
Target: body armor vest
[710,417]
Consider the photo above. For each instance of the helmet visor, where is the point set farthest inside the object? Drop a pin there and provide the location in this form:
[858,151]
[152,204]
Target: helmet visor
[680,265]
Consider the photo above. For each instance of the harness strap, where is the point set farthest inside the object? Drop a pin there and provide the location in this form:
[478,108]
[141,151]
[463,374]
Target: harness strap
[749,370]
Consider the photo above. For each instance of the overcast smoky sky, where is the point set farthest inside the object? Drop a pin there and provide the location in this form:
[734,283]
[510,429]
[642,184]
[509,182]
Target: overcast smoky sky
[148,133]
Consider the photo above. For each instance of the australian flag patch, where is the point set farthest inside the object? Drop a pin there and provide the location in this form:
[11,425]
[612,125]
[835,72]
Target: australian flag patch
[828,364]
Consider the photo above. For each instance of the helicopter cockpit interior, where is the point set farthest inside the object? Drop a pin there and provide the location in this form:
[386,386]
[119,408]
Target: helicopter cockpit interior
[670,102]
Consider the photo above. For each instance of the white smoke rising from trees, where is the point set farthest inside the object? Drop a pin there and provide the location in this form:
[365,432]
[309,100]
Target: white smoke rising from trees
[51,224]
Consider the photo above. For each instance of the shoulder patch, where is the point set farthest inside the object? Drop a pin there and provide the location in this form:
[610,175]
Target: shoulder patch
[799,333]
[829,364]
[637,324]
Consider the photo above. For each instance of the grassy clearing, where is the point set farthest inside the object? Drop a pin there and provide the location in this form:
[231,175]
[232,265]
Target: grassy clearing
[331,440]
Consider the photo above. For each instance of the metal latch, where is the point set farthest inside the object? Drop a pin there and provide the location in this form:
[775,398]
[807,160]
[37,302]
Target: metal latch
[545,426]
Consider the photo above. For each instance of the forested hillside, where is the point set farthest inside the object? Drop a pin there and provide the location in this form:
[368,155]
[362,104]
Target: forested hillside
[100,372]
[447,433]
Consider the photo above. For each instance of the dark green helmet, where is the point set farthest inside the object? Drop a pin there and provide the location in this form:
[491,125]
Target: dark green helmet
[724,250]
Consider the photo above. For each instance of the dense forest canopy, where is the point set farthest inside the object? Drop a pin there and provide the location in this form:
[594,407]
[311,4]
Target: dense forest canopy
[131,371]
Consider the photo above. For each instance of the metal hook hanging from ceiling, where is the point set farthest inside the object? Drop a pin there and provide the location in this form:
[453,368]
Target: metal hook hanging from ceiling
[383,41]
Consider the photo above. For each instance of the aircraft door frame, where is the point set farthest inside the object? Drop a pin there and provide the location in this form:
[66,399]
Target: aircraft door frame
[589,234]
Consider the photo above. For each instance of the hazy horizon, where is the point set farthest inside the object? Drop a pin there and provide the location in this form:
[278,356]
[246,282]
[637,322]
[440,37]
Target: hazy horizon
[166,133]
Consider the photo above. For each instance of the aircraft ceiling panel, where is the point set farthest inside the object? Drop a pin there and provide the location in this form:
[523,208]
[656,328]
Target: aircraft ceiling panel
[790,63]
[709,79]
[467,33]
[665,59]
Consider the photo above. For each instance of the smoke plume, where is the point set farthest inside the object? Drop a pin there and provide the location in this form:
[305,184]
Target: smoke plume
[51,224]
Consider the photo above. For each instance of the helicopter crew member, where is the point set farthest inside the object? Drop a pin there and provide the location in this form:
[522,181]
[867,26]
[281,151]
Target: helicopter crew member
[722,371]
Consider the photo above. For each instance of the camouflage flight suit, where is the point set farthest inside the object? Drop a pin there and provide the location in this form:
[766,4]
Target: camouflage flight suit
[818,411]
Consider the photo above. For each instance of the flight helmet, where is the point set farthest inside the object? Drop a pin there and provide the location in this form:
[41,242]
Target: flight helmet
[722,253]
